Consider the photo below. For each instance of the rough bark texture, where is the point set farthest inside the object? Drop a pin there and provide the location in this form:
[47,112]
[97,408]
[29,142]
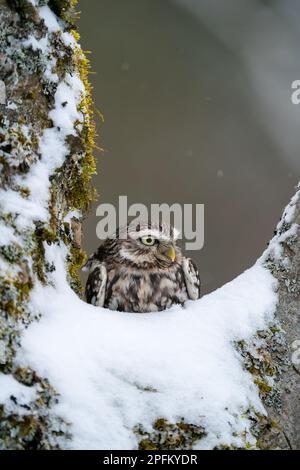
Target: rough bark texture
[27,96]
[271,355]
[286,270]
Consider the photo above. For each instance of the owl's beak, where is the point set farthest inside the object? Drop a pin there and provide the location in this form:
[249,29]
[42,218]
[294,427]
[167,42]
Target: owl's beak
[171,253]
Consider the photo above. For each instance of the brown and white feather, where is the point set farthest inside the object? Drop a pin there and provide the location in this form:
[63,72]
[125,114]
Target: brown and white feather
[126,276]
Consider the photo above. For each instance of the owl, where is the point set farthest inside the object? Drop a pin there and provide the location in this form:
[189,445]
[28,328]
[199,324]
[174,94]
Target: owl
[141,269]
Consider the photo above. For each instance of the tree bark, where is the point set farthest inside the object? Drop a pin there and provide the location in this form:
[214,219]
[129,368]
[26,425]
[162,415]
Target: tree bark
[285,354]
[37,56]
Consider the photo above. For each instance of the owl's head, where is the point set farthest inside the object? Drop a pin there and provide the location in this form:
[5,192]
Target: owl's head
[148,243]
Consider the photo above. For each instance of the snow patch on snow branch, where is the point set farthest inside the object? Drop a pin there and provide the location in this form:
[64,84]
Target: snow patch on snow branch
[115,370]
[53,146]
[12,391]
[285,230]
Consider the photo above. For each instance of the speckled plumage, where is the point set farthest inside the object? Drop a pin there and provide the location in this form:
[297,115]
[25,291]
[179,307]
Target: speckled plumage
[126,275]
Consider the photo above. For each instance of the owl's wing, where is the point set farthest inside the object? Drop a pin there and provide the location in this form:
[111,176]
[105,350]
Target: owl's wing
[96,284]
[192,279]
[93,261]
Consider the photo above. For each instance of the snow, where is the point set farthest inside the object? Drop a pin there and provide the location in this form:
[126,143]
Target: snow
[53,147]
[75,214]
[68,39]
[67,97]
[49,18]
[43,45]
[67,120]
[11,105]
[53,150]
[37,44]
[49,75]
[27,210]
[115,370]
[10,387]
[7,235]
[275,248]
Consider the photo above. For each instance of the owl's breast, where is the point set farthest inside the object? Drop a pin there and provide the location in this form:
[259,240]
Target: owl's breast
[133,290]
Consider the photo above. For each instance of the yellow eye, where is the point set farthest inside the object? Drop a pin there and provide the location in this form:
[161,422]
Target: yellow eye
[148,240]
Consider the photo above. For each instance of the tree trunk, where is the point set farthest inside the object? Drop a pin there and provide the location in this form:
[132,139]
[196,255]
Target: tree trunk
[46,164]
[284,405]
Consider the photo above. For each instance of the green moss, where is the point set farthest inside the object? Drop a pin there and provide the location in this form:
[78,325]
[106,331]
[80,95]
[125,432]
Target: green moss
[25,191]
[34,430]
[270,370]
[147,444]
[76,260]
[258,359]
[24,289]
[264,388]
[160,424]
[73,180]
[166,435]
[31,431]
[26,376]
[65,9]
[275,329]
[89,129]
[78,171]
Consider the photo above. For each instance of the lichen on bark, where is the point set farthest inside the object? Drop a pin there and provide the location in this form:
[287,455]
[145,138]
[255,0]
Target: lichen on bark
[285,268]
[268,356]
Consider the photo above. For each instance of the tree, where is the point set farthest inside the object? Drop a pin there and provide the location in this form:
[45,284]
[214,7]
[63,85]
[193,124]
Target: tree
[284,265]
[46,135]
[46,144]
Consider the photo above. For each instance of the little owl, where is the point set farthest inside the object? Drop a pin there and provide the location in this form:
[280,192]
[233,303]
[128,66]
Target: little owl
[140,269]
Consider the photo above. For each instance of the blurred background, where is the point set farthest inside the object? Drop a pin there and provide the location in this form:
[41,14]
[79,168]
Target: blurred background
[196,98]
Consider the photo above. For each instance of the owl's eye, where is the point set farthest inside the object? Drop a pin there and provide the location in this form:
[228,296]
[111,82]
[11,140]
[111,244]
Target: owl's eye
[148,240]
